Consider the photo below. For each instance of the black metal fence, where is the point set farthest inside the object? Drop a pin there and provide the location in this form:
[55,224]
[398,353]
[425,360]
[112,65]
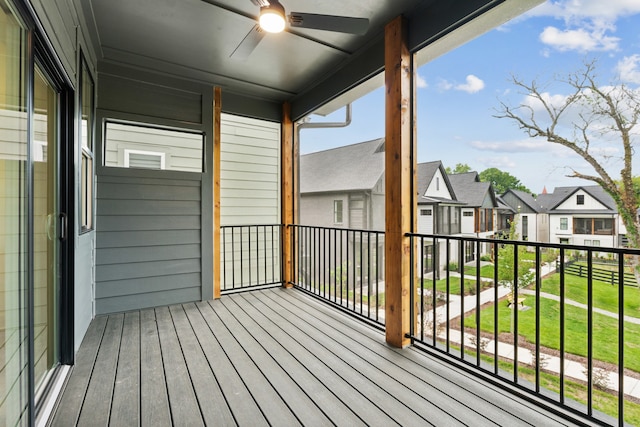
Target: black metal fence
[342,266]
[516,320]
[250,257]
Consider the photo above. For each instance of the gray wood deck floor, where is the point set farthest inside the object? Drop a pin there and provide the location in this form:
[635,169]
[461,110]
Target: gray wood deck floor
[273,357]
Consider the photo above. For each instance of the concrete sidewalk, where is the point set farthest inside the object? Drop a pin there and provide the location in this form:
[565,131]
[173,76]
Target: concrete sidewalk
[572,369]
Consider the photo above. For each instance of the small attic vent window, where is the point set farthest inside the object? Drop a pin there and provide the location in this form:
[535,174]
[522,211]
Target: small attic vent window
[144,159]
[580,199]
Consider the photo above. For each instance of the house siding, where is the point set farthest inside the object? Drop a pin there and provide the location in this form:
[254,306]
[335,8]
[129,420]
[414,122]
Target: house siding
[250,171]
[153,227]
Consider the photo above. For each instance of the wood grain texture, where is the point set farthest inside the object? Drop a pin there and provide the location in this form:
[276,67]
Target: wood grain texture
[399,179]
[217,163]
[287,194]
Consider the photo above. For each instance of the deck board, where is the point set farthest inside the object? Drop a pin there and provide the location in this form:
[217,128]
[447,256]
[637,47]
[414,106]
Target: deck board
[154,402]
[97,401]
[126,394]
[270,357]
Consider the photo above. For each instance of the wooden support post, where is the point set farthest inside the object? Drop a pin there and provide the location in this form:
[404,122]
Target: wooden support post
[217,112]
[399,181]
[287,195]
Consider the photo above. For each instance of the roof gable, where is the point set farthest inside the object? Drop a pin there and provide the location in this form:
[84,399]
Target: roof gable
[433,182]
[595,198]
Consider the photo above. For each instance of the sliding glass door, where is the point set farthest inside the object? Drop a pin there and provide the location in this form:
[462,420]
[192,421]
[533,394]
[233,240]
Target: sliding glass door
[47,223]
[14,328]
[32,220]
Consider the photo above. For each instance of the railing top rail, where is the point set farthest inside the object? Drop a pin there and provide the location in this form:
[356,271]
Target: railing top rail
[251,225]
[565,246]
[319,227]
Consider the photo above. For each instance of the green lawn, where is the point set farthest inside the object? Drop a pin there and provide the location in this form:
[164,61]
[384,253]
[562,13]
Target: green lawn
[454,285]
[605,296]
[485,271]
[605,336]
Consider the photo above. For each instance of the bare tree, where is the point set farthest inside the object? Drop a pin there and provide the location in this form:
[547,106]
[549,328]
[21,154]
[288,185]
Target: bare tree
[591,120]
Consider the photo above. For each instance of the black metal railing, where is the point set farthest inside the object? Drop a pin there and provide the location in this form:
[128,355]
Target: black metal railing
[342,266]
[510,316]
[250,256]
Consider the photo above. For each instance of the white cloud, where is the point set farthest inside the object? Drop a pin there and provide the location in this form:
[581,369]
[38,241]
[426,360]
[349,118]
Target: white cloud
[421,82]
[629,69]
[501,162]
[572,10]
[581,39]
[588,24]
[520,146]
[473,84]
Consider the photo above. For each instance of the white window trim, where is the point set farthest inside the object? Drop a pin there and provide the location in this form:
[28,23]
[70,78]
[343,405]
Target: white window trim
[128,152]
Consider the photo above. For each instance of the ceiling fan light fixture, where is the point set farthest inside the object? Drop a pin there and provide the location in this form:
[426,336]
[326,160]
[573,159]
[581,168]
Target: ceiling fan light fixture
[272,18]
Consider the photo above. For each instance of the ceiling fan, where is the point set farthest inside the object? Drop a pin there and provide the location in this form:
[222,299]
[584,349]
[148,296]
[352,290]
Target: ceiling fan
[273,19]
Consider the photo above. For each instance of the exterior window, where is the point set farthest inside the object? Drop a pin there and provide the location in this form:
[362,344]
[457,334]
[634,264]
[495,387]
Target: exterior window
[337,211]
[564,223]
[600,226]
[580,199]
[525,227]
[603,226]
[564,241]
[437,184]
[147,147]
[587,242]
[86,138]
[595,242]
[425,212]
[467,213]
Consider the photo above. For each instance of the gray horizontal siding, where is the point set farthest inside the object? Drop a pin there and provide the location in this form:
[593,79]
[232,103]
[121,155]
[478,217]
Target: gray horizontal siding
[148,244]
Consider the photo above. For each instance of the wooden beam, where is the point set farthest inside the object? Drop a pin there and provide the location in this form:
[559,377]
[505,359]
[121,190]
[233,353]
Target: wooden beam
[217,112]
[287,194]
[399,181]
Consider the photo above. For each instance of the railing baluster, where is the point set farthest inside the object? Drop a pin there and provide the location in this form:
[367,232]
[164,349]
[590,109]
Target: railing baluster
[448,286]
[478,292]
[537,343]
[621,340]
[496,284]
[589,333]
[562,325]
[461,257]
[514,311]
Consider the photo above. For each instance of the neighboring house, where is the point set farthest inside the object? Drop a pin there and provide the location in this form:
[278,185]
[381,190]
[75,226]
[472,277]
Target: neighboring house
[578,215]
[584,215]
[533,223]
[438,208]
[438,213]
[504,214]
[344,187]
[480,204]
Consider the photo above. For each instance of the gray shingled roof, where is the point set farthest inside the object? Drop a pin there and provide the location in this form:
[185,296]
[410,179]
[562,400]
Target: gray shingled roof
[529,200]
[352,167]
[469,189]
[560,194]
[424,174]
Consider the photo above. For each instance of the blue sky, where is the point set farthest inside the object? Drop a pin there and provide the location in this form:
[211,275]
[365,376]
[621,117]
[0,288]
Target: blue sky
[459,92]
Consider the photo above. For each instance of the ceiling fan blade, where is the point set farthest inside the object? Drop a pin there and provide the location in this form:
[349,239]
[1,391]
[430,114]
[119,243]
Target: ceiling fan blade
[248,43]
[340,24]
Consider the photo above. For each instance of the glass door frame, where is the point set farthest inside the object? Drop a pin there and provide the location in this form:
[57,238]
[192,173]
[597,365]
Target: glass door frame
[40,51]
